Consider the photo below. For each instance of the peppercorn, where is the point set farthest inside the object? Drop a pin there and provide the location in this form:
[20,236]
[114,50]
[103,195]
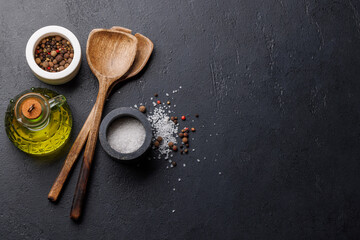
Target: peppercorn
[183,118]
[174,148]
[176,118]
[173,164]
[158,102]
[175,121]
[197,115]
[156,95]
[156,143]
[142,109]
[185,140]
[187,145]
[159,139]
[183,130]
[181,152]
[171,144]
[168,102]
[172,118]
[186,150]
[181,135]
[186,134]
[193,129]
[181,146]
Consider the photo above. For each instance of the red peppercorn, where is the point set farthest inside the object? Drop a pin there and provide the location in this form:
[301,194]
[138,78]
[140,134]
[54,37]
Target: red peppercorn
[57,51]
[48,68]
[158,102]
[48,53]
[183,118]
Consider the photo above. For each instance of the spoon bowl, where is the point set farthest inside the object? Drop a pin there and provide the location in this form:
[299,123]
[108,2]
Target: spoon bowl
[110,53]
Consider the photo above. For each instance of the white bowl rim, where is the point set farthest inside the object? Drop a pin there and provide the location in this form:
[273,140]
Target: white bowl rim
[52,30]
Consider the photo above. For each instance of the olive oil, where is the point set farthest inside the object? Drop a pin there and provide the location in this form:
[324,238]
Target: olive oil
[49,138]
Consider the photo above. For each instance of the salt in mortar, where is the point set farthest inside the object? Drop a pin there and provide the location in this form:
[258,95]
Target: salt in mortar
[126,134]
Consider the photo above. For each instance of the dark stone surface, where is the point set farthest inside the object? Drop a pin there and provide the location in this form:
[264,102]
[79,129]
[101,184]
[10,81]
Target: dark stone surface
[277,80]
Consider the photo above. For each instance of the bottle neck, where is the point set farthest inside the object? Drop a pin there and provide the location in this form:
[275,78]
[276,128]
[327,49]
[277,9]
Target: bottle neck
[32,110]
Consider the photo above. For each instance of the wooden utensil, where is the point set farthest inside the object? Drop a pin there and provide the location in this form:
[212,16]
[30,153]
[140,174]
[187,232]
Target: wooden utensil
[110,54]
[143,53]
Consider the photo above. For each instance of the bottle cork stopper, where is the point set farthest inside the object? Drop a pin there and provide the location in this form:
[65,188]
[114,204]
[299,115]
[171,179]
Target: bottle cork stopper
[31,108]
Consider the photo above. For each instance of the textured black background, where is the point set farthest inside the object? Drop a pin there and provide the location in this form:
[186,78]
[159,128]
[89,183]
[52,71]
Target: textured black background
[280,79]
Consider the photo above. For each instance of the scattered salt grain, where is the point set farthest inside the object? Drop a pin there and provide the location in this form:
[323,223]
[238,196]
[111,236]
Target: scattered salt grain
[179,179]
[184,165]
[126,135]
[173,210]
[220,173]
[162,126]
[198,160]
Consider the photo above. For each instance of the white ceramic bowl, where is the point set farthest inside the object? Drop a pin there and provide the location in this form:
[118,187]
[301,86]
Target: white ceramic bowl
[49,77]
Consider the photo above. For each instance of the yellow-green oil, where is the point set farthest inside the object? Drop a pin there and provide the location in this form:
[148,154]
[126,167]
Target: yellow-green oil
[45,141]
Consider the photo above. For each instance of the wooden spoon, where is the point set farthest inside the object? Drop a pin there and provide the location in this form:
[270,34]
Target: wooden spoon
[143,53]
[110,55]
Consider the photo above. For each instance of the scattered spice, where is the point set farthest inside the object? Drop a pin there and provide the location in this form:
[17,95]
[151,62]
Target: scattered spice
[174,148]
[54,54]
[181,135]
[142,109]
[193,129]
[186,134]
[197,115]
[183,118]
[159,139]
[158,102]
[157,143]
[168,102]
[173,164]
[170,144]
[185,140]
[156,95]
[186,150]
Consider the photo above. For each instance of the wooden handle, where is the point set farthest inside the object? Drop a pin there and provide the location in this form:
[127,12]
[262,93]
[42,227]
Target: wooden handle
[73,155]
[71,158]
[80,190]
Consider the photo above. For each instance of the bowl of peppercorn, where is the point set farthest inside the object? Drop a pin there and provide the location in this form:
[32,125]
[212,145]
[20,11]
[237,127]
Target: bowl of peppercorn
[53,54]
